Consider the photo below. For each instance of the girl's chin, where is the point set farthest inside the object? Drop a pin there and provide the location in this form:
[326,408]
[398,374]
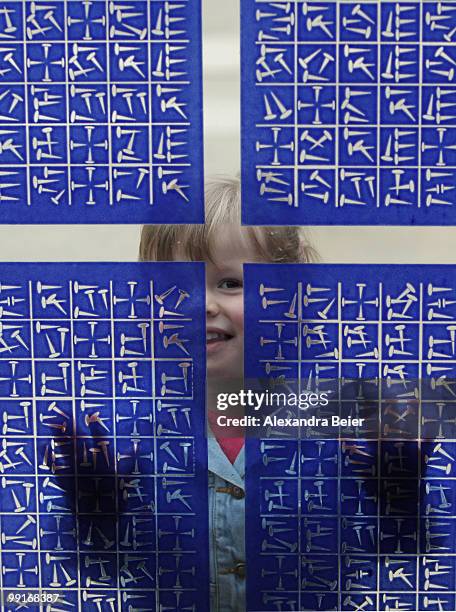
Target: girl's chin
[223,360]
[222,370]
[219,346]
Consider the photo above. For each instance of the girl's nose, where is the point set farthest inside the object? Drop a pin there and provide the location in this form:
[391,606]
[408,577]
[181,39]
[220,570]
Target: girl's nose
[212,306]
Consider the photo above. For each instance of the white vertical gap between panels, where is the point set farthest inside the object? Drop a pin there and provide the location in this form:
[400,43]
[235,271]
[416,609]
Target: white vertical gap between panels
[221,67]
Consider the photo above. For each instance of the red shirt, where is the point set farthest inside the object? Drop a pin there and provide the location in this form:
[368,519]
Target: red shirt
[230,443]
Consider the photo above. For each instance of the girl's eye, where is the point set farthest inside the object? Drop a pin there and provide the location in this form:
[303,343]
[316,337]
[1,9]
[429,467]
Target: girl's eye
[230,283]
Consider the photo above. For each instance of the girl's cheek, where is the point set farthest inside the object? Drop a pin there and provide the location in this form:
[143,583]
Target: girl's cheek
[238,314]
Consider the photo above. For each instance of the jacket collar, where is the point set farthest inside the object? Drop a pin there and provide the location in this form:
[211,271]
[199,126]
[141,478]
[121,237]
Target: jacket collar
[219,463]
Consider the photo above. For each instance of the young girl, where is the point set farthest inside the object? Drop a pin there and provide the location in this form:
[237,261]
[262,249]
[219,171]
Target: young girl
[225,246]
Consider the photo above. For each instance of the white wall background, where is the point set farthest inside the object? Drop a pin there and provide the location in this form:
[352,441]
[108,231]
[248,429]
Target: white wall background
[222,119]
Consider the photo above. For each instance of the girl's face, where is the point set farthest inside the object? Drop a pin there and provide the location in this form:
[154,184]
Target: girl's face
[225,302]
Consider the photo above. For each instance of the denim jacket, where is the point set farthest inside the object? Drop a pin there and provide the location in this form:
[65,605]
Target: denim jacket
[226,530]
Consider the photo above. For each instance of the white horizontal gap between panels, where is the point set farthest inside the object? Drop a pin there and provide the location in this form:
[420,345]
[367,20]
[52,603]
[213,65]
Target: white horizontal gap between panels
[334,244]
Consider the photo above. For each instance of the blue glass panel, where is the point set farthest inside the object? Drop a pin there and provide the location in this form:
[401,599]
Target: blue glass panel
[104,457]
[348,112]
[101,112]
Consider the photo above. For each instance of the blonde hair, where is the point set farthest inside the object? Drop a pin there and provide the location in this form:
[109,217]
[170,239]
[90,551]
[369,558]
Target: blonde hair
[223,206]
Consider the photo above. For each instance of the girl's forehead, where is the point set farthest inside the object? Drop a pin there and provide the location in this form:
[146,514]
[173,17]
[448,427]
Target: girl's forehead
[224,242]
[234,243]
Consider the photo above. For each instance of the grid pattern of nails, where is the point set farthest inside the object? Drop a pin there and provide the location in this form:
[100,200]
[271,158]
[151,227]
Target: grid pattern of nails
[367,522]
[103,461]
[348,112]
[100,111]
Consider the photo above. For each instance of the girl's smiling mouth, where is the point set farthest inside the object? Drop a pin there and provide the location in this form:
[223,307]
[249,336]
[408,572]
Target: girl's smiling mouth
[215,338]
